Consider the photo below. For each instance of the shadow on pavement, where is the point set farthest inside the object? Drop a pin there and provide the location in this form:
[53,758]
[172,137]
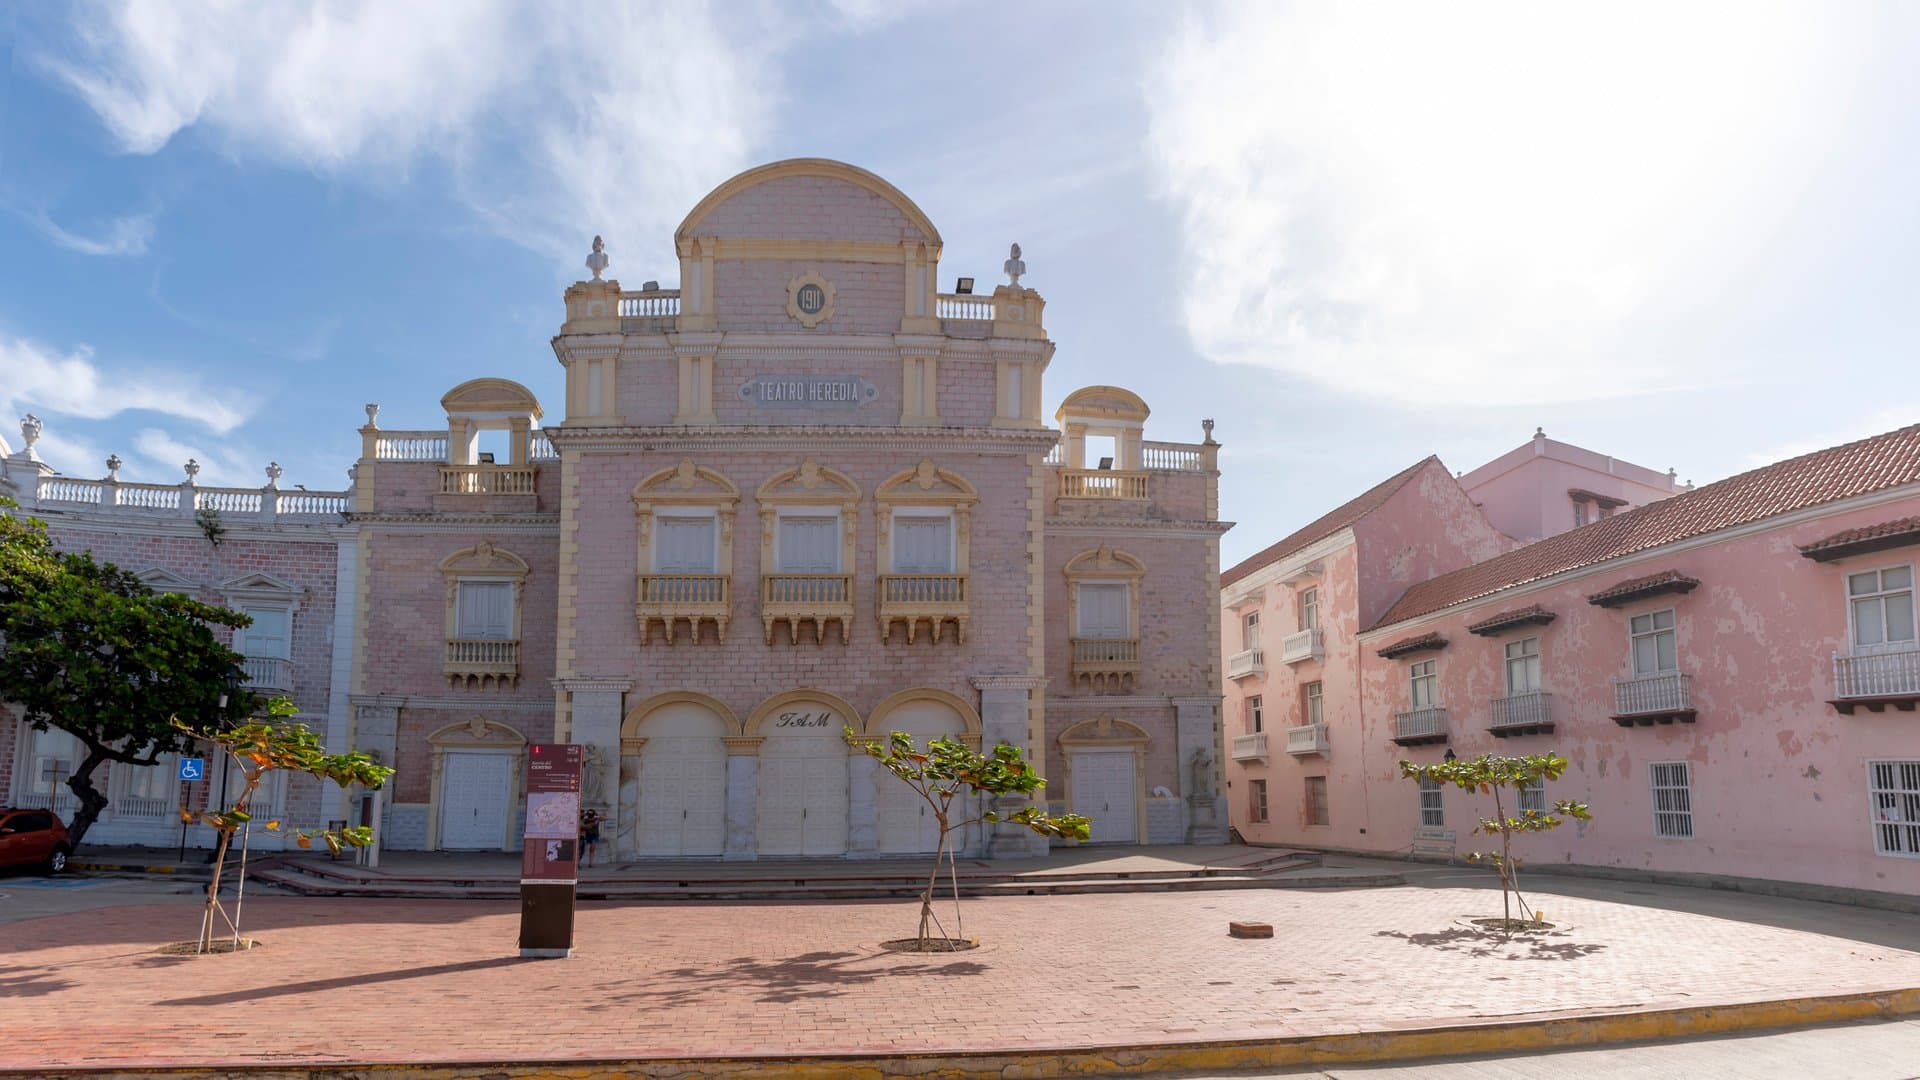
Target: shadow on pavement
[775,981]
[347,981]
[1492,943]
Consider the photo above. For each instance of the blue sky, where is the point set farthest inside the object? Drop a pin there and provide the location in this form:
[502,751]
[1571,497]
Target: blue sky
[1352,235]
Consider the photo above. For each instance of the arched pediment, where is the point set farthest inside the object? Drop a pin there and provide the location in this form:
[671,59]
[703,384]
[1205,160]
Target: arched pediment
[809,481]
[877,716]
[630,726]
[1104,561]
[484,558]
[478,732]
[1105,731]
[686,482]
[814,168]
[491,396]
[927,482]
[1103,403]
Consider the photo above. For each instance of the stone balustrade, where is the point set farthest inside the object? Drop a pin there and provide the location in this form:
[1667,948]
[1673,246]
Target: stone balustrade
[486,479]
[802,599]
[1246,663]
[935,599]
[1103,484]
[1250,747]
[410,446]
[669,598]
[187,500]
[268,672]
[482,663]
[1307,740]
[1302,645]
[1105,665]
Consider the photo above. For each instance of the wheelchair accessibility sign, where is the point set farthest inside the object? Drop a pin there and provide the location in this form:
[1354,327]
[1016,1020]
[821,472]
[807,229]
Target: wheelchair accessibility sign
[193,768]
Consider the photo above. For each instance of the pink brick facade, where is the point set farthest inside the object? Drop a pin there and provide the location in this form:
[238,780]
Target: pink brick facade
[1737,744]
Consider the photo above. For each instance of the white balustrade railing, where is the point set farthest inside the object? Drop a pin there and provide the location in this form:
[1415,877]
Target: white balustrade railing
[1427,723]
[1182,457]
[1057,455]
[1889,673]
[184,500]
[268,672]
[1533,709]
[1102,484]
[957,306]
[1247,662]
[483,654]
[410,446]
[486,480]
[540,447]
[1250,747]
[145,808]
[1670,692]
[1307,739]
[63,802]
[654,304]
[806,588]
[1304,645]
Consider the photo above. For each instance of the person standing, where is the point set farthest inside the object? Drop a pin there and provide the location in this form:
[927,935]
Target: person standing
[589,835]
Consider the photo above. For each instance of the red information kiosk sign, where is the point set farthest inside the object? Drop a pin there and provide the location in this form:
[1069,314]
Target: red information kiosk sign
[550,855]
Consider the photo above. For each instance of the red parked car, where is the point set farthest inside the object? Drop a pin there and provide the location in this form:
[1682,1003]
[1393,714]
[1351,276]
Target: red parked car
[34,838]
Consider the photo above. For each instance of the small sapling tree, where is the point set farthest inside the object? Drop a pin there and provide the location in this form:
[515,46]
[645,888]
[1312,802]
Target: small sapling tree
[1492,775]
[946,770]
[260,747]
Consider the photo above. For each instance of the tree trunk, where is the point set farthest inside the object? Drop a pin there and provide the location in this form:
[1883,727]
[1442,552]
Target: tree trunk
[91,801]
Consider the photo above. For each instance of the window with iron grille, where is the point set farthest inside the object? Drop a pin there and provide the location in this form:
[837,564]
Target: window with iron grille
[1672,799]
[1893,787]
[1534,797]
[1316,800]
[1256,715]
[1256,800]
[1432,813]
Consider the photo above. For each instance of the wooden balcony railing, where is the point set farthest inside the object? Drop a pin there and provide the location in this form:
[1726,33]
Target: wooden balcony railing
[1416,726]
[1521,714]
[482,663]
[799,599]
[935,599]
[1102,484]
[697,598]
[1105,665]
[486,479]
[1653,699]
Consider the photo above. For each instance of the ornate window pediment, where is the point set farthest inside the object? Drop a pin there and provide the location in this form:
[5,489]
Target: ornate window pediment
[1103,608]
[484,592]
[160,579]
[805,577]
[923,524]
[261,587]
[683,521]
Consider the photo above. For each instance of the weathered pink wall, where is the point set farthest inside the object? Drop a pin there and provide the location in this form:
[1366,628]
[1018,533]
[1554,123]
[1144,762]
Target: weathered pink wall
[1524,491]
[1425,529]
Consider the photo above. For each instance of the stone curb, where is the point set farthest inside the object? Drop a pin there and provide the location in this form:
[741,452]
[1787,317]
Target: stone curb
[123,868]
[1370,1047]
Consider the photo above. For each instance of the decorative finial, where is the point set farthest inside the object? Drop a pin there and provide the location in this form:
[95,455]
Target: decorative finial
[1207,426]
[1014,267]
[113,467]
[597,261]
[30,428]
[1539,433]
[353,473]
[373,415]
[193,469]
[274,472]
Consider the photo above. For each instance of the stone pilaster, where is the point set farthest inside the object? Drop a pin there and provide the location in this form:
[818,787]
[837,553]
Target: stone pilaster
[595,708]
[1197,734]
[1006,717]
[863,816]
[743,777]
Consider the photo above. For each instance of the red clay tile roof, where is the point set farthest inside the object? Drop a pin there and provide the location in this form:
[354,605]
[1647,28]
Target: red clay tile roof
[1414,644]
[1840,472]
[1887,534]
[1327,524]
[1493,624]
[1666,581]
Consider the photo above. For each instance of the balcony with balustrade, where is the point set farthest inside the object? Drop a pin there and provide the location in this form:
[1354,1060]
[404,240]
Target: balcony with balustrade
[1521,714]
[1876,679]
[1105,665]
[486,486]
[1653,699]
[694,599]
[1418,727]
[267,673]
[929,601]
[1307,740]
[1301,646]
[807,600]
[261,505]
[482,663]
[1247,663]
[1250,747]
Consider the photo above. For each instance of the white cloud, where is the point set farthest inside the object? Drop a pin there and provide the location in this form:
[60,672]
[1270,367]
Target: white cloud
[166,455]
[121,236]
[34,378]
[1493,203]
[555,123]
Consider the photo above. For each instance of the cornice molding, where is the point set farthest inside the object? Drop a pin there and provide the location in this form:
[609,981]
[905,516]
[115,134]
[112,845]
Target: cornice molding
[588,684]
[329,532]
[1138,527]
[666,439]
[430,521]
[451,702]
[1008,682]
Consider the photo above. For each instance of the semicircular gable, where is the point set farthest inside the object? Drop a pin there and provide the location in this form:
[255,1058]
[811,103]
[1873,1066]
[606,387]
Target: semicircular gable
[490,395]
[927,481]
[1105,560]
[1104,402]
[732,208]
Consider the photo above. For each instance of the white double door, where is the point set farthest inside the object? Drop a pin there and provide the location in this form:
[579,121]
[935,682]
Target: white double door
[1104,791]
[474,792]
[683,797]
[801,805]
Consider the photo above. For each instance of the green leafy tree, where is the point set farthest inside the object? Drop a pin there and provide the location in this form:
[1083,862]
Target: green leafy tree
[1492,775]
[90,649]
[942,773]
[259,747]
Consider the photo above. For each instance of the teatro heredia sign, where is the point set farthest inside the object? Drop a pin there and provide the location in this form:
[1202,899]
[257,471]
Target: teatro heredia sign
[808,391]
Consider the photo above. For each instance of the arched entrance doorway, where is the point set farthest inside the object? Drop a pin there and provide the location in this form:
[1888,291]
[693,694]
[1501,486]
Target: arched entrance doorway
[475,785]
[679,768]
[801,804]
[1106,760]
[906,825]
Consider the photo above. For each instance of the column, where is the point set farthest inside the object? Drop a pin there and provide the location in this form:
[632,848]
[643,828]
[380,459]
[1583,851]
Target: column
[376,730]
[743,773]
[596,709]
[863,818]
[1005,717]
[1197,736]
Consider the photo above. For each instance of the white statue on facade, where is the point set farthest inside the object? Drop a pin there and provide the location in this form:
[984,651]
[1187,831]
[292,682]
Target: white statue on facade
[1014,267]
[1202,788]
[593,779]
[597,260]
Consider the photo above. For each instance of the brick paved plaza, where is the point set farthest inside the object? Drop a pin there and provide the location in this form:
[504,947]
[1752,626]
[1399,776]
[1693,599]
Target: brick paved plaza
[340,982]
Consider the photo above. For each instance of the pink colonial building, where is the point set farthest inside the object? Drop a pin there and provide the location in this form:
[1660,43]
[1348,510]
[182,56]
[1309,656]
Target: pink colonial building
[807,490]
[1731,671]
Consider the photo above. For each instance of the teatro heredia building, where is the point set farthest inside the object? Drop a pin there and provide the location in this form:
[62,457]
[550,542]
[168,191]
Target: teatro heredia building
[808,490]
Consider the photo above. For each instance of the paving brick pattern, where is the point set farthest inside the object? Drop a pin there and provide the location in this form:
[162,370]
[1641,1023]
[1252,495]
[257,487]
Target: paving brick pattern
[432,981]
